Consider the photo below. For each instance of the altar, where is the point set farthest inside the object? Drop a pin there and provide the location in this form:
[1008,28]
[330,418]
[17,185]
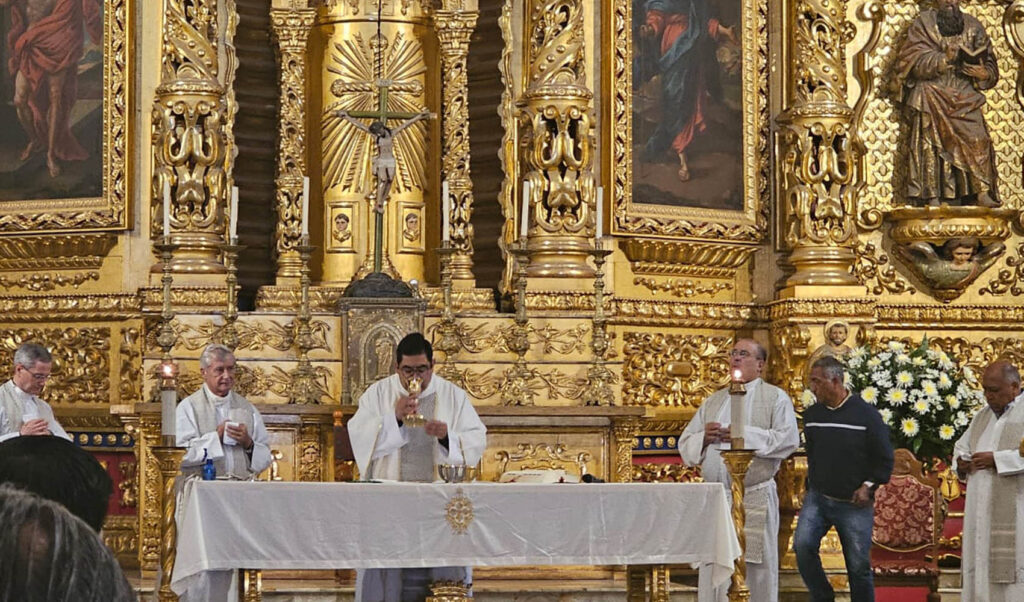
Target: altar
[232,526]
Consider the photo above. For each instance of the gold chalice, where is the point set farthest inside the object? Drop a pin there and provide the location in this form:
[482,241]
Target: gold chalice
[415,386]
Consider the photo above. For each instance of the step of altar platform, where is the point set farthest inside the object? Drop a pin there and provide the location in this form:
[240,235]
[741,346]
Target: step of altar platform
[791,588]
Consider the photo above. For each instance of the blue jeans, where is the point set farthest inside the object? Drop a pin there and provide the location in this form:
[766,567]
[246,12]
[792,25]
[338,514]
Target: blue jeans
[853,524]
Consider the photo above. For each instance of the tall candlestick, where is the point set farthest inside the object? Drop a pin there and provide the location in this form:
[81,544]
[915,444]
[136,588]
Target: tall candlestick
[524,216]
[233,229]
[167,208]
[168,402]
[446,209]
[305,206]
[599,225]
[737,413]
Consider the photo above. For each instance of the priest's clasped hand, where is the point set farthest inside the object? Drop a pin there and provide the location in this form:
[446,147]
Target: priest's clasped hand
[714,432]
[36,426]
[436,428]
[977,461]
[405,406]
[239,433]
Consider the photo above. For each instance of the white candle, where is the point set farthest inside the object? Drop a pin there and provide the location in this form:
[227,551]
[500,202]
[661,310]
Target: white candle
[599,225]
[446,209]
[233,229]
[305,206]
[524,215]
[737,413]
[168,404]
[167,208]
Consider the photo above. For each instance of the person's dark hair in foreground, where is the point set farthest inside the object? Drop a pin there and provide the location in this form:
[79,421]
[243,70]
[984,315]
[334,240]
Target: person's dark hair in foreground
[58,470]
[49,555]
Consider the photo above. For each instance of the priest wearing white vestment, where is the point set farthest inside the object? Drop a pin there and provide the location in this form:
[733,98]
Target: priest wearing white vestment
[772,431]
[386,448]
[22,413]
[219,424]
[987,454]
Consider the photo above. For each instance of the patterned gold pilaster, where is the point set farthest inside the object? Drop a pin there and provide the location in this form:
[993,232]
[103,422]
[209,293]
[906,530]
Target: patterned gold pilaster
[146,431]
[454,24]
[625,430]
[169,460]
[290,22]
[190,144]
[820,170]
[556,139]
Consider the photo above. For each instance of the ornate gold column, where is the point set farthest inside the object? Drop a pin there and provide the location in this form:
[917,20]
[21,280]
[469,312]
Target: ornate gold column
[373,61]
[454,24]
[820,169]
[556,139]
[625,430]
[290,21]
[189,137]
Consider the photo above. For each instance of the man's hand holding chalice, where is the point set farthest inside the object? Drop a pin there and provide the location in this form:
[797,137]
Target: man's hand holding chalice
[407,407]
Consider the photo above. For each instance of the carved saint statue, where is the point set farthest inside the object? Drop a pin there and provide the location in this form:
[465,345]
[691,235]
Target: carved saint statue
[836,332]
[384,163]
[942,66]
[955,265]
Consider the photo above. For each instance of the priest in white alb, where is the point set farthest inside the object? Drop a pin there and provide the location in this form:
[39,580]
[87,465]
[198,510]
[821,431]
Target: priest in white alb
[988,456]
[407,424]
[770,429]
[22,412]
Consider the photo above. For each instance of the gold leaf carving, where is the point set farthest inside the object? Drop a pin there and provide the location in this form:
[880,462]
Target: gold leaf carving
[543,456]
[660,472]
[1008,280]
[129,484]
[130,352]
[672,370]
[48,282]
[252,335]
[485,339]
[873,269]
[678,287]
[81,362]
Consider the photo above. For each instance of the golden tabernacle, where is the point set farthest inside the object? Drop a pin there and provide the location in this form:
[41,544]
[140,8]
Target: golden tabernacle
[582,204]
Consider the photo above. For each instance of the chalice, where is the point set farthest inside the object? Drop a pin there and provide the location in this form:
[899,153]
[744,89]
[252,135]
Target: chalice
[415,386]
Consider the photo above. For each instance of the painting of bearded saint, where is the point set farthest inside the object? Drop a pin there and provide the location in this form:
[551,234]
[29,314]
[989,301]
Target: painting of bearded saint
[687,103]
[52,89]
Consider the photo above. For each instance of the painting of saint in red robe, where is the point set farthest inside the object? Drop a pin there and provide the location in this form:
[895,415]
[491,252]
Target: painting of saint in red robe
[687,103]
[52,91]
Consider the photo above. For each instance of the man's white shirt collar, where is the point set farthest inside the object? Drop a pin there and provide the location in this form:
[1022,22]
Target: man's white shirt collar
[216,399]
[22,395]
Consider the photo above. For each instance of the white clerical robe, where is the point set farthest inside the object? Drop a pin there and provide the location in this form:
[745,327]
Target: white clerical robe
[775,439]
[976,584]
[190,435]
[378,442]
[18,407]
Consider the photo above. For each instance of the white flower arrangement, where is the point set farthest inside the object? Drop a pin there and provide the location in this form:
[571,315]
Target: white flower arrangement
[924,397]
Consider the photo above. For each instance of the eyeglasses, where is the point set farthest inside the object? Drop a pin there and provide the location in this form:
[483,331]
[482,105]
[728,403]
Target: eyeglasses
[40,377]
[410,371]
[740,353]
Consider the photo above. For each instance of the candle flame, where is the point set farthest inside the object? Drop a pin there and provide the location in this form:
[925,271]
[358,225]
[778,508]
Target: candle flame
[736,374]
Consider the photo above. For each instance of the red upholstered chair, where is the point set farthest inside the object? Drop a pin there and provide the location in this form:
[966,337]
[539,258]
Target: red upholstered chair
[909,511]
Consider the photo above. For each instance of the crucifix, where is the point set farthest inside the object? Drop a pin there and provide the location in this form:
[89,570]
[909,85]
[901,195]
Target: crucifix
[384,163]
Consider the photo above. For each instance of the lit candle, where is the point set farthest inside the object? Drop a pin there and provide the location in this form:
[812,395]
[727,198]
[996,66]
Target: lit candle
[737,413]
[167,208]
[524,215]
[233,229]
[599,225]
[446,209]
[305,206]
[168,403]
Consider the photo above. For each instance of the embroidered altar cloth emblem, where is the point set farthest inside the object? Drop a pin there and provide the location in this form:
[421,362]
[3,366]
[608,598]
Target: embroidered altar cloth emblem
[459,512]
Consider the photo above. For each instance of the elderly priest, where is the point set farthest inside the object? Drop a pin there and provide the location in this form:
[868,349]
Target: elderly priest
[405,425]
[987,455]
[22,413]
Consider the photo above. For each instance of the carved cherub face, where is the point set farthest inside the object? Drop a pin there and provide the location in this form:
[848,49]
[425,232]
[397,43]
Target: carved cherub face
[962,255]
[837,334]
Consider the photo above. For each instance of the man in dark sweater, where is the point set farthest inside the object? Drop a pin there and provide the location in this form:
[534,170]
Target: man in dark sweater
[848,456]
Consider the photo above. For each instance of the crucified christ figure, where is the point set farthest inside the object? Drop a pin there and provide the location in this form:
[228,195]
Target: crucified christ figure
[384,162]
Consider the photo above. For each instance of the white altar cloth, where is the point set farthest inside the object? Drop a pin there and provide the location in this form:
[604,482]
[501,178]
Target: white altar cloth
[229,525]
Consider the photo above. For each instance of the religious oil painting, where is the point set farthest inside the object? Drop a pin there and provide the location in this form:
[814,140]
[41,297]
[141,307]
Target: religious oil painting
[64,88]
[693,120]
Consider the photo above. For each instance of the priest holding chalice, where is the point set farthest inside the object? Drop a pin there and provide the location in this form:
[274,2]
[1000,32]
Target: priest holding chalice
[406,426]
[762,416]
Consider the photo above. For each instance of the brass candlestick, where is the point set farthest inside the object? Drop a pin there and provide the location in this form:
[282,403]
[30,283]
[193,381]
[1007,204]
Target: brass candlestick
[447,329]
[229,334]
[303,385]
[598,391]
[169,459]
[738,461]
[166,337]
[515,388]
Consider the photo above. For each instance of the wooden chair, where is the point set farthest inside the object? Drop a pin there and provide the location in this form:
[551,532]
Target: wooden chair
[909,511]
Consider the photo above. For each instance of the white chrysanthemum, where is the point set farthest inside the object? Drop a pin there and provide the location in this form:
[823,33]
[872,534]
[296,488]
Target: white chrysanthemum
[946,432]
[884,356]
[969,375]
[807,398]
[855,363]
[886,415]
[896,346]
[919,361]
[929,388]
[870,395]
[874,362]
[953,401]
[964,392]
[896,396]
[902,358]
[921,406]
[859,353]
[961,419]
[904,378]
[944,381]
[909,426]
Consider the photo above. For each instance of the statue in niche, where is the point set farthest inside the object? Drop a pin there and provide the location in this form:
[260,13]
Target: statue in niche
[382,351]
[944,63]
[836,333]
[954,265]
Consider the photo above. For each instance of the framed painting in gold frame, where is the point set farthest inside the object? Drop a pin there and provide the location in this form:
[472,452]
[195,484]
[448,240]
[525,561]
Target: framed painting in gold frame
[64,157]
[687,114]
